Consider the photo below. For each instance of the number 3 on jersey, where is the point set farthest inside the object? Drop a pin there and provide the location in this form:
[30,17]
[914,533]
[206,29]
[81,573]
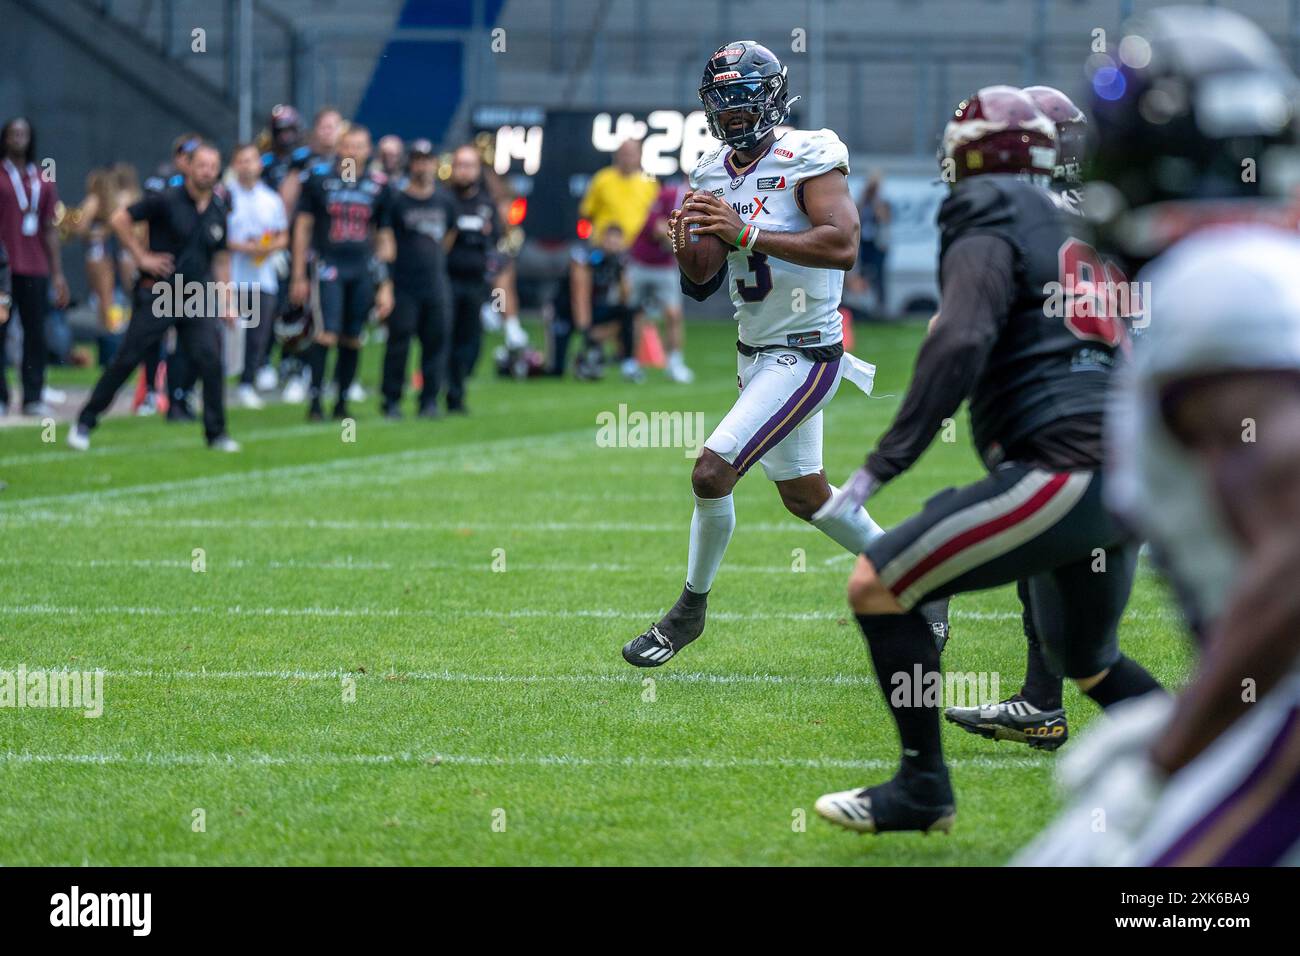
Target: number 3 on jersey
[762,283]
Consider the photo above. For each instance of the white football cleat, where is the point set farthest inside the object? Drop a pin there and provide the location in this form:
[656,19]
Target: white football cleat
[247,396]
[266,379]
[79,437]
[225,443]
[356,393]
[295,390]
[678,372]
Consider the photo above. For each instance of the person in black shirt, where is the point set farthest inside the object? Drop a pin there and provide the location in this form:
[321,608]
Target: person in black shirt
[478,231]
[344,218]
[1036,381]
[593,301]
[422,230]
[187,245]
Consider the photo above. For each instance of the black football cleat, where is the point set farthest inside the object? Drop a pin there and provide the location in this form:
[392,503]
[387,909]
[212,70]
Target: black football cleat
[1013,719]
[887,808]
[683,623]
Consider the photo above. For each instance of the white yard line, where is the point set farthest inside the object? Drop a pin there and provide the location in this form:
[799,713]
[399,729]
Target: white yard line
[433,757]
[238,610]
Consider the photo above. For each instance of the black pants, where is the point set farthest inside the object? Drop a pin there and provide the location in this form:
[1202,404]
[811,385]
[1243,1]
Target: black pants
[257,337]
[467,298]
[199,339]
[428,316]
[31,299]
[1049,529]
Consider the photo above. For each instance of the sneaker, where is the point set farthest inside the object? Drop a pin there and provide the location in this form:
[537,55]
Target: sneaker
[392,411]
[678,372]
[179,411]
[589,366]
[631,371]
[1014,719]
[224,443]
[79,437]
[265,380]
[356,393]
[295,390]
[247,396]
[885,808]
[148,405]
[54,396]
[37,410]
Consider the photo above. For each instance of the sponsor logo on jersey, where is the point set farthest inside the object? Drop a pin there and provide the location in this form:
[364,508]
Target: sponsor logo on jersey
[750,209]
[738,182]
[800,339]
[781,151]
[768,183]
[718,192]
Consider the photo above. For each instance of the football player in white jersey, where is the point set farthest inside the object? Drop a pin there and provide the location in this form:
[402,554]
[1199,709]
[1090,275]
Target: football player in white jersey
[1206,436]
[781,200]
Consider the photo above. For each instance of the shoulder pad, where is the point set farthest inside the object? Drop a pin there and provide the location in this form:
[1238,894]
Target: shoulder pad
[705,161]
[810,153]
[980,203]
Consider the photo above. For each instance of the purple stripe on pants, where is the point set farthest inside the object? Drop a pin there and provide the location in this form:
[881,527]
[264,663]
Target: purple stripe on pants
[773,432]
[1202,826]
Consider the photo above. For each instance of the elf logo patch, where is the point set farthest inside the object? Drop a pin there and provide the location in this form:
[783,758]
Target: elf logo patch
[770,183]
[781,151]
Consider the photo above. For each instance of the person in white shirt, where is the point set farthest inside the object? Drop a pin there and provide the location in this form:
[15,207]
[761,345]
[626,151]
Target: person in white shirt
[258,233]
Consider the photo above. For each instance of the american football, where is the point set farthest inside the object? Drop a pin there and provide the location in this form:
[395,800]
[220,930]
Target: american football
[531,433]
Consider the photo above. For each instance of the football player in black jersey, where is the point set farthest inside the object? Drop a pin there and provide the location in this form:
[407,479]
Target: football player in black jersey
[1035,715]
[1036,381]
[343,217]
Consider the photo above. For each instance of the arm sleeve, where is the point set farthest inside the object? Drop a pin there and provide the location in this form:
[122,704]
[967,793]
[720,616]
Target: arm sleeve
[701,291]
[979,272]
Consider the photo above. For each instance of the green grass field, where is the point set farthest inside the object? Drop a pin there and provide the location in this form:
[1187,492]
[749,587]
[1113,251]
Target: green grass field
[493,720]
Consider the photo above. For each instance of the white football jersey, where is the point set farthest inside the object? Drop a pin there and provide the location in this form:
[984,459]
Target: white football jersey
[778,302]
[1225,298]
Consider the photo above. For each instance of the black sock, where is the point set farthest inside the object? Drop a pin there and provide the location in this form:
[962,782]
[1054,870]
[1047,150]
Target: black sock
[1042,688]
[316,362]
[1126,678]
[345,369]
[901,644]
[693,599]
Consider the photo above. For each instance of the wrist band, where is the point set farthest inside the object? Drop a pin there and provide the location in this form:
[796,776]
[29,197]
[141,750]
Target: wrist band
[748,236]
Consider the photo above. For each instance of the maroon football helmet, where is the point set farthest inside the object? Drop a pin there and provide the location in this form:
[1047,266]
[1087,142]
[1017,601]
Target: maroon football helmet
[1070,133]
[998,130]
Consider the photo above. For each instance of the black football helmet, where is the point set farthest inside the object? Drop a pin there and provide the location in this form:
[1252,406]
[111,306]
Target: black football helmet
[745,76]
[1071,131]
[1195,120]
[286,126]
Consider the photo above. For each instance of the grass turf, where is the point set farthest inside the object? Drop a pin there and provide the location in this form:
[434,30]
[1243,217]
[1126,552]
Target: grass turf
[493,720]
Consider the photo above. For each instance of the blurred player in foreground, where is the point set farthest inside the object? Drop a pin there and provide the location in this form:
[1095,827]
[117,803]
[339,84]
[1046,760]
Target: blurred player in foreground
[1036,381]
[782,205]
[1207,450]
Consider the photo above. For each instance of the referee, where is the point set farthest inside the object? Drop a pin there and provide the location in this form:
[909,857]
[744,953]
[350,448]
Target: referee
[187,244]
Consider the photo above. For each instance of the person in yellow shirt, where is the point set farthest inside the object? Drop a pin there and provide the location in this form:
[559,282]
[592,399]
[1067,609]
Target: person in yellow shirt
[620,194]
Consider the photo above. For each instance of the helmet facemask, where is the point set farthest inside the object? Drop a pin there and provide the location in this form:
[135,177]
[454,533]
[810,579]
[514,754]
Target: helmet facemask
[764,99]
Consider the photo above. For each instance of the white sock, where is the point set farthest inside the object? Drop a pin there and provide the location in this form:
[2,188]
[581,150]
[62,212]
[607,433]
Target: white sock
[853,531]
[711,526]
